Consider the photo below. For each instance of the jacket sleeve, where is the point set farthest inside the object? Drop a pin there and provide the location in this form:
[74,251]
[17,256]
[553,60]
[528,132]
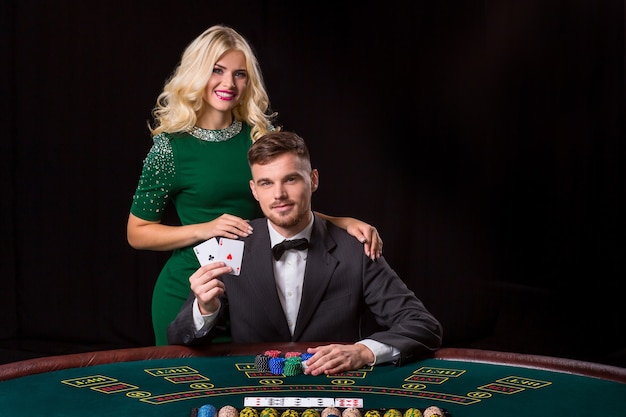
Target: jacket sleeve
[182,330]
[407,323]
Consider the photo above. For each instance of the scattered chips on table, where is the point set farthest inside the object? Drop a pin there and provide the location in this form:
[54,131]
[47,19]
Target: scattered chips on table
[209,410]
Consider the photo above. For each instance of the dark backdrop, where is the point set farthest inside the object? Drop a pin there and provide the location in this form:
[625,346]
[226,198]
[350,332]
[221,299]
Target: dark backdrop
[484,139]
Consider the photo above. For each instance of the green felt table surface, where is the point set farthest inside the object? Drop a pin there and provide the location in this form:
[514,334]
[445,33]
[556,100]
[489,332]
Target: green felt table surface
[173,387]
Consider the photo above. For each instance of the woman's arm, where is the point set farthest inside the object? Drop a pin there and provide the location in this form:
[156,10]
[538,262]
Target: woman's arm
[152,235]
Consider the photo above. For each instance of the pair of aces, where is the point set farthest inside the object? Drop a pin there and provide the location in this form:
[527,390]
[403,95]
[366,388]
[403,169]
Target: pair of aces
[226,250]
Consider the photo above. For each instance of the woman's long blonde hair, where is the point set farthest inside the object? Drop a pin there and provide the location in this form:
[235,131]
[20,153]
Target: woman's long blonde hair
[180,102]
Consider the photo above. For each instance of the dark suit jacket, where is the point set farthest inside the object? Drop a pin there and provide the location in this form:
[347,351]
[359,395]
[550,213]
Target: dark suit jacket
[340,283]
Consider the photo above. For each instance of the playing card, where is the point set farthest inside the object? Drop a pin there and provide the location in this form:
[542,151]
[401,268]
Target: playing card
[264,401]
[349,402]
[318,402]
[291,402]
[207,251]
[231,252]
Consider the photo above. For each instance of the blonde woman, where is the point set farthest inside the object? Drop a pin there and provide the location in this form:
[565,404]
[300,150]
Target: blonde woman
[210,111]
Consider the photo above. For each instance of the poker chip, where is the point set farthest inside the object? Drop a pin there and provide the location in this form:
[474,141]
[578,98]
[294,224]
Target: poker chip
[372,413]
[305,357]
[248,412]
[413,412]
[269,412]
[292,354]
[433,411]
[273,353]
[310,412]
[277,366]
[292,366]
[207,410]
[331,412]
[228,411]
[290,412]
[262,363]
[351,412]
[392,412]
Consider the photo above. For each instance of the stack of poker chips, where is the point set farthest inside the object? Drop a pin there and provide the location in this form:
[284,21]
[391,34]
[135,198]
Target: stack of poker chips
[273,361]
[262,361]
[293,366]
[277,365]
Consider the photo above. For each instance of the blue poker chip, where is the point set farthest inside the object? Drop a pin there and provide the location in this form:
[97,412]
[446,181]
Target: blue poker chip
[305,357]
[277,365]
[207,410]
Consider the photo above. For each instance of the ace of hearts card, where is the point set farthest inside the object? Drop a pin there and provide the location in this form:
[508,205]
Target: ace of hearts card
[231,252]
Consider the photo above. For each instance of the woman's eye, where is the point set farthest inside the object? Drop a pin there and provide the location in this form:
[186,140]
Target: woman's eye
[217,70]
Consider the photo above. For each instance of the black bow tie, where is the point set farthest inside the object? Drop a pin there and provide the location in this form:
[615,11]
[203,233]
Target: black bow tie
[281,247]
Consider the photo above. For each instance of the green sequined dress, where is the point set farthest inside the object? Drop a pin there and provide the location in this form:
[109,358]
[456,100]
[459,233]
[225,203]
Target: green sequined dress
[205,174]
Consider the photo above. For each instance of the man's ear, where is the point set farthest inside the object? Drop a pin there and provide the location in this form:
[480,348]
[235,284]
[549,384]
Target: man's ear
[253,189]
[315,179]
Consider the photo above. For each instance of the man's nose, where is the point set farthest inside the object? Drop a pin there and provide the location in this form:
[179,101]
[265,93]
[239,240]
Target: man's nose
[279,191]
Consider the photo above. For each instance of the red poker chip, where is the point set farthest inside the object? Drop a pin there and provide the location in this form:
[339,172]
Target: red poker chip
[273,353]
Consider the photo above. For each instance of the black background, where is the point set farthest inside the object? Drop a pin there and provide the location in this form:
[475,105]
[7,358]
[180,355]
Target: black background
[484,139]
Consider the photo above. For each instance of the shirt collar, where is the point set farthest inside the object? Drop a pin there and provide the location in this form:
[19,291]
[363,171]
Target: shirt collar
[276,237]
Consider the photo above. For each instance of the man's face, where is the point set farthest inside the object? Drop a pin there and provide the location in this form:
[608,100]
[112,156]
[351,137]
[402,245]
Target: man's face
[283,189]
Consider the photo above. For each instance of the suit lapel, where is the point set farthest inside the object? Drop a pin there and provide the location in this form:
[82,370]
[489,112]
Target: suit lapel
[319,269]
[258,259]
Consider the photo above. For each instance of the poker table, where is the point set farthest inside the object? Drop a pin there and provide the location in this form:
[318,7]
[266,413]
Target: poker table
[174,381]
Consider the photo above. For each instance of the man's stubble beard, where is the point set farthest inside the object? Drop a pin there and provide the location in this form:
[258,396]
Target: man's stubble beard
[288,221]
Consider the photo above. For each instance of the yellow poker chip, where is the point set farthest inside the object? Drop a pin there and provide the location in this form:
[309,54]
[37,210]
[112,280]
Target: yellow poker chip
[393,412]
[310,412]
[413,412]
[372,413]
[269,412]
[248,412]
[289,413]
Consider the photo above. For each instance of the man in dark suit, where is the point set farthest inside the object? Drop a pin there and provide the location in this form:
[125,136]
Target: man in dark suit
[316,290]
